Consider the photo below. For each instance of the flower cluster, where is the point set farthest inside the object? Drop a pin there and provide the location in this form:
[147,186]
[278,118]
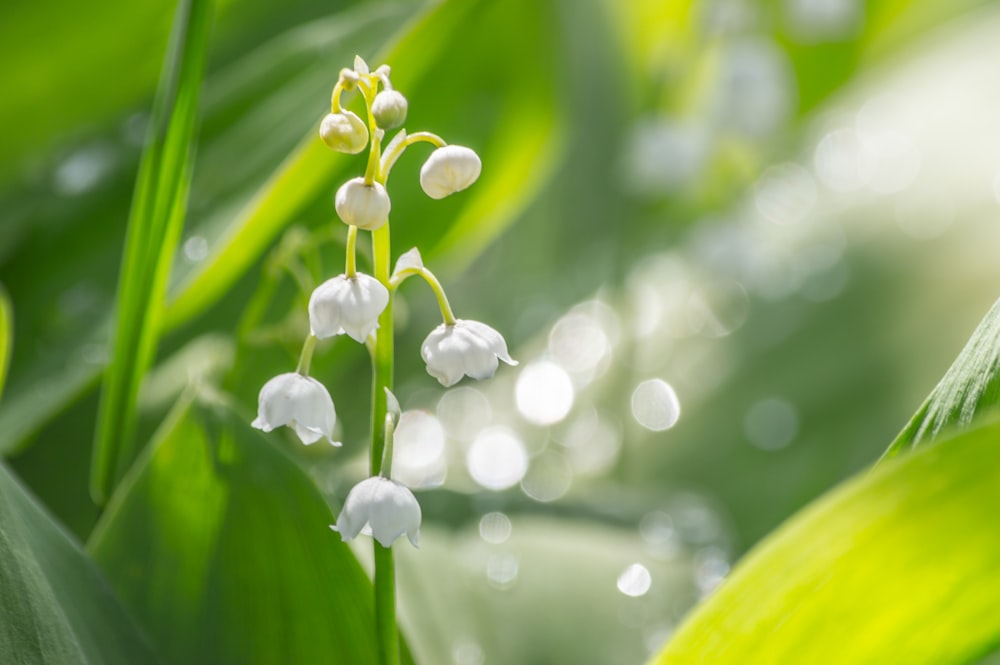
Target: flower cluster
[360,305]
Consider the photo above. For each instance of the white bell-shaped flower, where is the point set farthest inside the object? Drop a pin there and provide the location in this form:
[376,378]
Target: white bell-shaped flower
[364,206]
[449,169]
[349,305]
[301,402]
[387,507]
[467,348]
[344,132]
[389,109]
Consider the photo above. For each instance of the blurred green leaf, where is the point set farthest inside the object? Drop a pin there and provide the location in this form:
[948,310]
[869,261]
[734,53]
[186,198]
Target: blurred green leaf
[970,387]
[155,223]
[6,335]
[897,566]
[56,608]
[220,546]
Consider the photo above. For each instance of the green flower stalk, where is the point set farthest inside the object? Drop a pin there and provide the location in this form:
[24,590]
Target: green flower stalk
[361,306]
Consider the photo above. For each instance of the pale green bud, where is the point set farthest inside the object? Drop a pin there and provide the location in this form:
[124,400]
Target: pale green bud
[344,132]
[389,109]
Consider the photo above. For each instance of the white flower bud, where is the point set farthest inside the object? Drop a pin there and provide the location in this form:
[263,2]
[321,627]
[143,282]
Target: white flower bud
[349,305]
[364,206]
[344,132]
[467,348]
[301,402]
[388,507]
[389,109]
[448,170]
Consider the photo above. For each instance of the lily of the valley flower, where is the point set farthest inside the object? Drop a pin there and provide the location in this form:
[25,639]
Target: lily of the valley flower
[364,206]
[389,109]
[465,348]
[349,305]
[384,505]
[302,403]
[344,132]
[449,169]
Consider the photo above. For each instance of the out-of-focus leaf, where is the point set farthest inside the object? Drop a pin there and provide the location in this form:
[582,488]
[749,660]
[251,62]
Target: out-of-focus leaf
[897,566]
[155,222]
[55,607]
[220,546]
[970,387]
[6,334]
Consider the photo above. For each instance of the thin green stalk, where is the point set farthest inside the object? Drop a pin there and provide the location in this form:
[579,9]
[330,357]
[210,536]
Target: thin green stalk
[305,358]
[351,268]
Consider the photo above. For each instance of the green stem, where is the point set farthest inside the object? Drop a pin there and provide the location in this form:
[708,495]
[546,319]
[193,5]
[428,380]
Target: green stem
[352,241]
[389,159]
[446,313]
[305,358]
[385,606]
[382,370]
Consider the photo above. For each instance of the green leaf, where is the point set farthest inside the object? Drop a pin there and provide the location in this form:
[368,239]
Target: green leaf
[6,335]
[897,566]
[220,545]
[56,608]
[155,222]
[970,387]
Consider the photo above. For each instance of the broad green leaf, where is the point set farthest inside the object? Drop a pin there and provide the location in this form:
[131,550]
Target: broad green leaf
[155,223]
[55,606]
[896,566]
[220,545]
[6,335]
[970,387]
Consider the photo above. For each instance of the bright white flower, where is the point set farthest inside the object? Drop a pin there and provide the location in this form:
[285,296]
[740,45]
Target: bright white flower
[301,402]
[389,109]
[448,170]
[344,132]
[384,505]
[466,348]
[364,206]
[349,305]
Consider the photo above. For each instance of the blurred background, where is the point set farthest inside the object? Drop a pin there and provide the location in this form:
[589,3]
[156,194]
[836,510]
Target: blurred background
[733,245]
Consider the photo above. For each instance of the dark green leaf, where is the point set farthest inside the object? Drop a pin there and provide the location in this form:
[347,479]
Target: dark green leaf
[221,547]
[55,606]
[155,222]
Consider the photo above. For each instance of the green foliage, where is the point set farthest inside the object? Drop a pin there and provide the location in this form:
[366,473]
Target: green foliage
[969,388]
[155,223]
[219,544]
[897,566]
[56,608]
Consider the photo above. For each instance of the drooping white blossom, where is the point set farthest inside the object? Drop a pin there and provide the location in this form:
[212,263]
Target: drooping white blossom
[364,206]
[302,403]
[449,169]
[384,505]
[349,305]
[389,109]
[465,348]
[344,132]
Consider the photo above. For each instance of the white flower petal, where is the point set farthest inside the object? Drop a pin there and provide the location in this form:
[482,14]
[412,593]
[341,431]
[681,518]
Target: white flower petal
[364,206]
[349,305]
[301,402]
[344,132]
[389,508]
[449,169]
[467,348]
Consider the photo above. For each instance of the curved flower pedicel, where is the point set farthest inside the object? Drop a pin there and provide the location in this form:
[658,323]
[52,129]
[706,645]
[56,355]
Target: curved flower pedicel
[300,402]
[464,348]
[388,507]
[349,305]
